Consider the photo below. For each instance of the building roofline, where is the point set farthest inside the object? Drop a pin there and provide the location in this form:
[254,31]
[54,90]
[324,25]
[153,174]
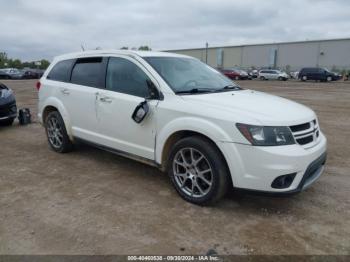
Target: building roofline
[261,44]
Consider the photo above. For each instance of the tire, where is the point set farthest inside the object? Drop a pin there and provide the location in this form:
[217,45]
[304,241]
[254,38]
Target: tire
[236,77]
[262,78]
[304,78]
[329,79]
[280,78]
[57,134]
[7,122]
[191,178]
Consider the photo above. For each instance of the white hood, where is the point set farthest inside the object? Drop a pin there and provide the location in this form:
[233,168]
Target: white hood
[264,108]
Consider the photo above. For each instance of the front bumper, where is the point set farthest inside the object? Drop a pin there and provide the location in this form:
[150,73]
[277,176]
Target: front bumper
[8,111]
[255,168]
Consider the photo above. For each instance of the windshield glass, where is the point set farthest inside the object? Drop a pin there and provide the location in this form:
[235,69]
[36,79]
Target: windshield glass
[188,74]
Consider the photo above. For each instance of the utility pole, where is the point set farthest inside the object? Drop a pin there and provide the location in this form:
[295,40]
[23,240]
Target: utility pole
[206,52]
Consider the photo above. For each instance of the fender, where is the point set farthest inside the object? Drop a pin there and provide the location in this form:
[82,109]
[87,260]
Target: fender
[53,101]
[199,125]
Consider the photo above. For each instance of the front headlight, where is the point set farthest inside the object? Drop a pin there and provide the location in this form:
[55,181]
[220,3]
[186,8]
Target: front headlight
[267,135]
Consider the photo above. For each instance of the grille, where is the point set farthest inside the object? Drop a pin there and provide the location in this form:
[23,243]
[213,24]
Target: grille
[307,133]
[7,110]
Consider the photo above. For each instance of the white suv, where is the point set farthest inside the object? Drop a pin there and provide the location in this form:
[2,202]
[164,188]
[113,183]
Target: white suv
[184,117]
[273,75]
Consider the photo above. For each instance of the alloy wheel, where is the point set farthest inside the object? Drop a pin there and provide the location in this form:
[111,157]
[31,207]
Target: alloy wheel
[54,132]
[192,172]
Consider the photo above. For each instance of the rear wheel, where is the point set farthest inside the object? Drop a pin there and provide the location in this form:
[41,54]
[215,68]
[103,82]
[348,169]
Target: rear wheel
[262,78]
[198,171]
[57,134]
[329,79]
[304,78]
[236,77]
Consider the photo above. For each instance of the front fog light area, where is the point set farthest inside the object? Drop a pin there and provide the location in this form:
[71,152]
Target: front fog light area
[284,181]
[267,135]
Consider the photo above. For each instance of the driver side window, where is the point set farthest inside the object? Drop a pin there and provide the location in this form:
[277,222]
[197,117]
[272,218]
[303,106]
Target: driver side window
[125,77]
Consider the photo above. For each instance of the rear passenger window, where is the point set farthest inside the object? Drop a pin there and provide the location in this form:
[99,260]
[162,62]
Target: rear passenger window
[88,72]
[61,71]
[125,77]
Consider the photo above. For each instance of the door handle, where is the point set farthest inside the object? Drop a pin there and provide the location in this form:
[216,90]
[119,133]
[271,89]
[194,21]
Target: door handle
[105,99]
[65,91]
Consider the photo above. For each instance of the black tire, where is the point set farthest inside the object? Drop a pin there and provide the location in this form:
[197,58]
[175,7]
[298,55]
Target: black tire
[7,122]
[219,175]
[303,78]
[237,77]
[262,78]
[280,78]
[66,145]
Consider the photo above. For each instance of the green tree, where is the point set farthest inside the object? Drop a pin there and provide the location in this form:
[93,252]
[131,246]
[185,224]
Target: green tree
[145,48]
[124,48]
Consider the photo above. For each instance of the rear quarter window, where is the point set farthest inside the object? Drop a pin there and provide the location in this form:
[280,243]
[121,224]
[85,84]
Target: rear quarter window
[61,71]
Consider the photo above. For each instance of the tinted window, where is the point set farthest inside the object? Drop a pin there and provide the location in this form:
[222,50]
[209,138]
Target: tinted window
[125,77]
[88,72]
[61,71]
[263,72]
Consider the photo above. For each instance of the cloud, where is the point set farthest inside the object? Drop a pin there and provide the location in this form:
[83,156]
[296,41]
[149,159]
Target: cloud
[42,29]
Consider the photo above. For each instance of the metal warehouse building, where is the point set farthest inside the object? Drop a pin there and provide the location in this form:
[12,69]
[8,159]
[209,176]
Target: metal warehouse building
[333,54]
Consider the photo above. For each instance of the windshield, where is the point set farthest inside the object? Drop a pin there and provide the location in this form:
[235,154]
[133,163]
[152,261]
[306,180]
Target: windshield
[188,74]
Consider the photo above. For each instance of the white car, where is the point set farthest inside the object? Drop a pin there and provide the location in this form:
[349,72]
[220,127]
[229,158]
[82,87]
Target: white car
[273,75]
[184,117]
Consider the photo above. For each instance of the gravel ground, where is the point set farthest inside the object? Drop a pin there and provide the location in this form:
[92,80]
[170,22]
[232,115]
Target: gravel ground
[93,202]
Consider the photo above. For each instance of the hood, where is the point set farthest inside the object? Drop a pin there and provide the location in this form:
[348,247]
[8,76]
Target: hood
[247,105]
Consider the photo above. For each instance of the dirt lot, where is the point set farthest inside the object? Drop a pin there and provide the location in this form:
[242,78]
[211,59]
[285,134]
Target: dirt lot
[93,202]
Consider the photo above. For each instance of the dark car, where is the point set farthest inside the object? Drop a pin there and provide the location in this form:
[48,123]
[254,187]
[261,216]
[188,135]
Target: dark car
[235,74]
[8,108]
[316,73]
[30,74]
[4,75]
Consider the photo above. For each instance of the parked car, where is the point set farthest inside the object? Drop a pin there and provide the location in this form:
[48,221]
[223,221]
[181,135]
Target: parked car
[8,108]
[30,74]
[235,74]
[13,73]
[316,73]
[4,75]
[182,116]
[253,73]
[273,75]
[294,74]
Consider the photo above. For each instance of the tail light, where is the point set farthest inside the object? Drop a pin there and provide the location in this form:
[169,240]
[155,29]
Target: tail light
[38,85]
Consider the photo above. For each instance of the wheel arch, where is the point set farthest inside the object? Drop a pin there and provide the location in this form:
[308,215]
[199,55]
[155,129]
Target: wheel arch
[184,127]
[53,104]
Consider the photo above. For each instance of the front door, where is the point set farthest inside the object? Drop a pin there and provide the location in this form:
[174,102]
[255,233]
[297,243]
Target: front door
[126,88]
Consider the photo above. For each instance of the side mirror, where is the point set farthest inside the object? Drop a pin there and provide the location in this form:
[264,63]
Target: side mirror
[154,93]
[140,112]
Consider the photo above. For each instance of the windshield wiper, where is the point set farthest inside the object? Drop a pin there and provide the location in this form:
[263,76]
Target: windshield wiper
[229,87]
[195,91]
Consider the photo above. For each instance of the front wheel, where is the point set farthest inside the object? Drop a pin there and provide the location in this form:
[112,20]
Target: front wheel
[198,171]
[329,79]
[262,78]
[57,134]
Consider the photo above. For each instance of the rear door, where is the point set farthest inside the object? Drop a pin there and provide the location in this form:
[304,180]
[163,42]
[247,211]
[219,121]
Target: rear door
[126,88]
[87,79]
